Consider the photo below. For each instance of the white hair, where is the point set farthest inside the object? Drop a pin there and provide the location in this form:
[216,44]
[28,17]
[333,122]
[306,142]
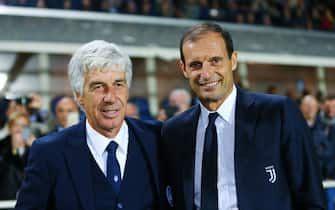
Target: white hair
[96,55]
[187,99]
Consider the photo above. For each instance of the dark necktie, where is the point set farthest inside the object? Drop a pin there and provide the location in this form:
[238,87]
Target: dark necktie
[113,167]
[209,190]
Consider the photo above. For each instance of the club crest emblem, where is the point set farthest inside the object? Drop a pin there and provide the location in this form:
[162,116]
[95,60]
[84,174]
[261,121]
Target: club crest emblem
[272,173]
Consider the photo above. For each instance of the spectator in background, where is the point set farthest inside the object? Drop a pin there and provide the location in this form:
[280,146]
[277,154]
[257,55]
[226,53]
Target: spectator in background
[147,8]
[309,107]
[327,21]
[166,8]
[204,10]
[327,117]
[161,115]
[22,3]
[66,112]
[13,154]
[111,6]
[181,99]
[315,19]
[132,110]
[13,105]
[231,11]
[52,4]
[272,89]
[298,14]
[292,93]
[38,116]
[286,19]
[129,7]
[216,11]
[191,9]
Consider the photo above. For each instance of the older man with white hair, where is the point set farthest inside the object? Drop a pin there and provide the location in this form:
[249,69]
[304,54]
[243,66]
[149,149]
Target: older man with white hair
[106,161]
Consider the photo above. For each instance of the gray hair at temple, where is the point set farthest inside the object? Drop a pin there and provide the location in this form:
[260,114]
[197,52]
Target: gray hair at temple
[97,55]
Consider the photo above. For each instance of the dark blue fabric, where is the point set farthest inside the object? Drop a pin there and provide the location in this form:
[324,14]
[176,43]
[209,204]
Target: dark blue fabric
[113,167]
[209,190]
[270,131]
[103,193]
[59,175]
[137,189]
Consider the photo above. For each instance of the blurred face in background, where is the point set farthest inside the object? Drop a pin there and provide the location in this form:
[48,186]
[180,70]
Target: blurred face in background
[309,107]
[330,108]
[132,110]
[13,107]
[18,123]
[65,107]
[181,100]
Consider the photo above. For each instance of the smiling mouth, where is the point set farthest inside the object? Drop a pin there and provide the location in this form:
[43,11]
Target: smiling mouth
[110,112]
[209,84]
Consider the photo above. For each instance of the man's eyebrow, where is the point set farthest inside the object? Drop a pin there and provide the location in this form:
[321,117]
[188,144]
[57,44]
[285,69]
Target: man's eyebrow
[120,80]
[95,83]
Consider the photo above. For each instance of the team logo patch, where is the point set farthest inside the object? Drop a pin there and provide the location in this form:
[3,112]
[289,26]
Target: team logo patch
[272,173]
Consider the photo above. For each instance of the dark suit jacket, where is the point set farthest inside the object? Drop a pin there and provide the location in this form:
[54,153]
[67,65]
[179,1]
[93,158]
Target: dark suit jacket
[58,172]
[269,131]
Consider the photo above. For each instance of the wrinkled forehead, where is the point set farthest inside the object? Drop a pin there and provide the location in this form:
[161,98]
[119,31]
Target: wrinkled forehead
[210,40]
[108,73]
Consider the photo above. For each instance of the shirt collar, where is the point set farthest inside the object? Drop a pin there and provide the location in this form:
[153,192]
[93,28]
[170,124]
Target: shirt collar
[100,142]
[226,109]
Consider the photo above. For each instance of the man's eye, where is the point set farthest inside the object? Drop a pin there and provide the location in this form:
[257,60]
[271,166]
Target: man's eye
[97,87]
[216,60]
[195,65]
[119,84]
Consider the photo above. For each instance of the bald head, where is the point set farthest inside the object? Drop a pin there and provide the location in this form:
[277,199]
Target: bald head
[309,107]
[181,99]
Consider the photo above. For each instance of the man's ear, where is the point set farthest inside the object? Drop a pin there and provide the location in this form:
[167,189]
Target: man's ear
[182,67]
[78,98]
[234,61]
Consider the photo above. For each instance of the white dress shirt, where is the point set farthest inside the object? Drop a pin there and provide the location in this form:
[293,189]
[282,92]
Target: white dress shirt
[98,143]
[225,127]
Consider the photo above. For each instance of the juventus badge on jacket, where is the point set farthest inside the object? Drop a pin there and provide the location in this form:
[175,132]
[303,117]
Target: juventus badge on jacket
[168,193]
[272,173]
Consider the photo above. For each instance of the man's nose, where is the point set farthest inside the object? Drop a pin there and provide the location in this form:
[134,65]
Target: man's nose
[109,95]
[207,70]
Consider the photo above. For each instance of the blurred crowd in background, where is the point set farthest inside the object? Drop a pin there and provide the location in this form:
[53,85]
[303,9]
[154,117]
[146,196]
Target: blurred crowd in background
[22,120]
[302,14]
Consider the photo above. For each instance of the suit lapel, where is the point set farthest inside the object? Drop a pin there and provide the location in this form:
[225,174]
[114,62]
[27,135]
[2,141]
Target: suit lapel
[148,146]
[245,124]
[77,157]
[188,148]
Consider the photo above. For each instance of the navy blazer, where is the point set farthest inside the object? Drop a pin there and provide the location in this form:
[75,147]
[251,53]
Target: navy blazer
[58,172]
[269,132]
